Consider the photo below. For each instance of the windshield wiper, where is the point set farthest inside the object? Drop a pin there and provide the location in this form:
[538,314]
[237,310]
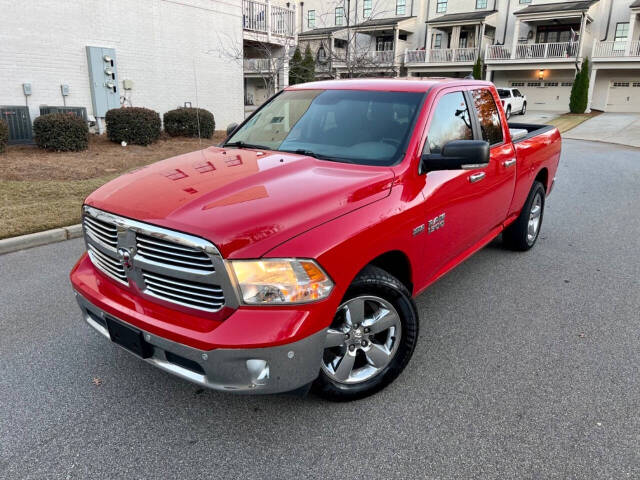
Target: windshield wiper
[311,153]
[241,144]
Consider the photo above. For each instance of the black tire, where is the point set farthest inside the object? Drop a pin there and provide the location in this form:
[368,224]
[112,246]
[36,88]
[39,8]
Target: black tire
[524,108]
[508,112]
[374,281]
[516,235]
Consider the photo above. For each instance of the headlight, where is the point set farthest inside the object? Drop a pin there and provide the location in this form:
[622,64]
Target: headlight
[278,280]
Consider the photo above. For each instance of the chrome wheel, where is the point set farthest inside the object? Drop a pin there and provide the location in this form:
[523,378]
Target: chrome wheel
[534,219]
[362,340]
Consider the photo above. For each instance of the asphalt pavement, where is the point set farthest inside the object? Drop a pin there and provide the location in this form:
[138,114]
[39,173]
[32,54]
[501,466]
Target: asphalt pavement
[527,366]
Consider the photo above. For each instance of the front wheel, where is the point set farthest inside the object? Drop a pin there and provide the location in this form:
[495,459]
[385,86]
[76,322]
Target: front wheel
[371,338]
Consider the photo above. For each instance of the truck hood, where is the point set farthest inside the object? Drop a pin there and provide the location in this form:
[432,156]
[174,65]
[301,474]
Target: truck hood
[244,201]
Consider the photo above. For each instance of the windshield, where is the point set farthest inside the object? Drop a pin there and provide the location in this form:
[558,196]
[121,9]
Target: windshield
[504,93]
[354,126]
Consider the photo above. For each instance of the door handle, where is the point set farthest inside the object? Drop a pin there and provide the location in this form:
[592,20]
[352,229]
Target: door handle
[476,177]
[509,163]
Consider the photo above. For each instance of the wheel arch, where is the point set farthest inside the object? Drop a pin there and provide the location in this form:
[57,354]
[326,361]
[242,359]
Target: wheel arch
[543,177]
[396,263]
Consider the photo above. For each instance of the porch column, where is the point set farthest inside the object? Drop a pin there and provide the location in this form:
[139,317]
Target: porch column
[396,35]
[516,33]
[268,20]
[592,83]
[428,34]
[632,27]
[481,39]
[455,37]
[583,34]
[488,75]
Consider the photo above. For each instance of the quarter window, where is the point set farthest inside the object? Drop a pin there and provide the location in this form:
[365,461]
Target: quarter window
[488,116]
[366,8]
[400,7]
[311,19]
[339,16]
[441,6]
[450,121]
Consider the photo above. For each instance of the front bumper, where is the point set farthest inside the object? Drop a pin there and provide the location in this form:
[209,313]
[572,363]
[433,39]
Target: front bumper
[273,369]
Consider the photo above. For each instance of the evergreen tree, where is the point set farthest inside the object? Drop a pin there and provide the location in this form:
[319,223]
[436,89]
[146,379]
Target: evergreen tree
[295,68]
[308,66]
[477,69]
[579,98]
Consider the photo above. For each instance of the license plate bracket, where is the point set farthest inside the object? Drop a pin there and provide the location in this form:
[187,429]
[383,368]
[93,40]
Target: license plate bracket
[128,337]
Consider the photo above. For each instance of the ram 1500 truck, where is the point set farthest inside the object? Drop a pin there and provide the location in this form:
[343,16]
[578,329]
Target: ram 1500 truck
[288,256]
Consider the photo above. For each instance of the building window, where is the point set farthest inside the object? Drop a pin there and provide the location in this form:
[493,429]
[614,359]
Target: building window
[481,3]
[534,84]
[550,84]
[636,84]
[441,6]
[620,84]
[622,32]
[366,8]
[311,19]
[525,1]
[339,16]
[400,7]
[437,40]
[566,84]
[517,84]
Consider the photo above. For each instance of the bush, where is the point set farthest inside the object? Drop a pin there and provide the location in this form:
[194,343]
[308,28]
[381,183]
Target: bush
[477,69]
[183,122]
[62,132]
[579,99]
[135,125]
[4,135]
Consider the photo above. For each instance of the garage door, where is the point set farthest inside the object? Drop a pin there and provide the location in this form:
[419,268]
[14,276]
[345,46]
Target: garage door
[543,95]
[624,96]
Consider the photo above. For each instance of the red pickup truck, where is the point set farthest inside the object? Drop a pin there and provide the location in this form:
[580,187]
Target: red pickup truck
[288,256]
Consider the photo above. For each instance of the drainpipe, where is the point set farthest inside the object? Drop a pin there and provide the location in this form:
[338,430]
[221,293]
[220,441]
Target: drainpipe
[606,33]
[506,23]
[426,21]
[302,16]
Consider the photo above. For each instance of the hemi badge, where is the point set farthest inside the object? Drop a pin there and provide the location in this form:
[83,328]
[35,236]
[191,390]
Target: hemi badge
[418,230]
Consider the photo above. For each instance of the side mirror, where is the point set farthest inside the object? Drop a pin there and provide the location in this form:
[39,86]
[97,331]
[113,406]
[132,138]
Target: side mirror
[456,155]
[231,128]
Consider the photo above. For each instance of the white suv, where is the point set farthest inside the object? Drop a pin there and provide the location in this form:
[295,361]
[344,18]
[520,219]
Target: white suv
[513,101]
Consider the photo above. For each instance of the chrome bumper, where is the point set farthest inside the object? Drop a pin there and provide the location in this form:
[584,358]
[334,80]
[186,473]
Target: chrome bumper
[257,370]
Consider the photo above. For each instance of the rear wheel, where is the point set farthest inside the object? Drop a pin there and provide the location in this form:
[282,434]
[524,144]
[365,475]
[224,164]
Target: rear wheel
[371,338]
[508,112]
[524,108]
[522,234]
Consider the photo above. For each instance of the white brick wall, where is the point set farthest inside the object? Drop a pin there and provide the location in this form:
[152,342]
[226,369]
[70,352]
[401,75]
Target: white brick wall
[43,42]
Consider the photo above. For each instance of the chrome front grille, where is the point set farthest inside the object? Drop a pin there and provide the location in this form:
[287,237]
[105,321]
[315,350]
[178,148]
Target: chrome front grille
[101,231]
[158,250]
[185,292]
[164,265]
[107,264]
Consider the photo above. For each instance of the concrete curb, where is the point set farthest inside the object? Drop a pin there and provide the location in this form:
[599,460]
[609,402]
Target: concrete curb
[22,242]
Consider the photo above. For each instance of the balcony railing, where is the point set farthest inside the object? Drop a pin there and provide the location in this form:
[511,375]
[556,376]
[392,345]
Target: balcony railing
[617,49]
[263,18]
[533,51]
[257,65]
[441,55]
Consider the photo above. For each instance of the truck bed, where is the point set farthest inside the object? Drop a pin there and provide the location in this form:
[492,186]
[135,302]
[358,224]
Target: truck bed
[532,129]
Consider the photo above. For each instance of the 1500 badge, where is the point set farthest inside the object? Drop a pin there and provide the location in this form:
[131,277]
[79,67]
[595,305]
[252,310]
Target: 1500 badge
[436,223]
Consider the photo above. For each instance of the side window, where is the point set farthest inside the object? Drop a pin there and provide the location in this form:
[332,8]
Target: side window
[450,121]
[488,116]
[517,93]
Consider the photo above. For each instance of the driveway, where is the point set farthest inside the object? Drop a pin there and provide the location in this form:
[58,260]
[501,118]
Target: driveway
[535,116]
[527,366]
[620,128]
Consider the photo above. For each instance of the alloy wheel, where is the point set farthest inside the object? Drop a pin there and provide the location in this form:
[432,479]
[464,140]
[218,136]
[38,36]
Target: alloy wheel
[534,219]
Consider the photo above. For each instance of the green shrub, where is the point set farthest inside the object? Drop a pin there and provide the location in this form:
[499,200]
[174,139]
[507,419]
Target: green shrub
[62,132]
[183,122]
[579,99]
[134,125]
[4,135]
[477,69]
[295,68]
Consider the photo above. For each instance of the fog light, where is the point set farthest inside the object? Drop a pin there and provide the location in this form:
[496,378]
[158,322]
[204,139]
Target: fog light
[259,371]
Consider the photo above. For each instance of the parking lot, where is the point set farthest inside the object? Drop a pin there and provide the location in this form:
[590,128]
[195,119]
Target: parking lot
[527,366]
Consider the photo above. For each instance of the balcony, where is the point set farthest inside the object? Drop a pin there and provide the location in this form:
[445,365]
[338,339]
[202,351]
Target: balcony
[257,65]
[556,52]
[264,19]
[440,56]
[616,51]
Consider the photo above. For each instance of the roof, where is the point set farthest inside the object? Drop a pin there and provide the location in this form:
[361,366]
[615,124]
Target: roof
[635,4]
[408,84]
[462,17]
[320,31]
[376,22]
[557,7]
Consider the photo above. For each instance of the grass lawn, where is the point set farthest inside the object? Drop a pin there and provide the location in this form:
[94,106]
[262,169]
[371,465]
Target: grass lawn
[40,190]
[566,122]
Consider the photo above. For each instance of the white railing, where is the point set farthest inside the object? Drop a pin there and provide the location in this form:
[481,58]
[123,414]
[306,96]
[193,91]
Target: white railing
[547,50]
[378,56]
[497,52]
[264,18]
[441,55]
[257,64]
[617,49]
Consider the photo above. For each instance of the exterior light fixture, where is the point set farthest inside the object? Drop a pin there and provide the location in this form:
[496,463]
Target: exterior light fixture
[540,74]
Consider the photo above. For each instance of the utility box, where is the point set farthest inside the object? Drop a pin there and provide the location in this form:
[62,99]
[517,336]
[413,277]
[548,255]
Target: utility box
[26,89]
[19,123]
[64,90]
[103,77]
